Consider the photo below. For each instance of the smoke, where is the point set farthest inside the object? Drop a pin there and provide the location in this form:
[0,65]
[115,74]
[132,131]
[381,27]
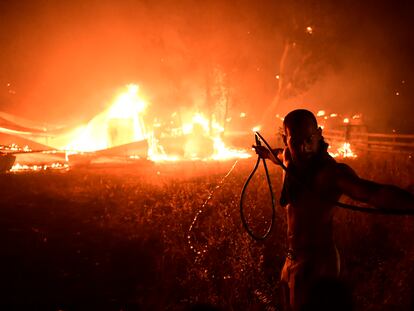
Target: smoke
[65,60]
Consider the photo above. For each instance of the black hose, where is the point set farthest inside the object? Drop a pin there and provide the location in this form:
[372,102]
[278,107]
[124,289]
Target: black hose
[243,218]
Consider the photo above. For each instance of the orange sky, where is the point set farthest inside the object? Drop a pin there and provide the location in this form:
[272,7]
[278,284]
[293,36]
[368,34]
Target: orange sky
[64,61]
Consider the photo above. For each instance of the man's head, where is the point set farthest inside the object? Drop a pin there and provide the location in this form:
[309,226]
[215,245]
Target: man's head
[302,135]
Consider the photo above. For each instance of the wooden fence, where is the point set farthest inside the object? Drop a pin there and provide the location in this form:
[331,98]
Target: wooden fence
[361,140]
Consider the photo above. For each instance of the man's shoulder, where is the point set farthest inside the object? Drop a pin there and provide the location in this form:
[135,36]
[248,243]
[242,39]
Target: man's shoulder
[334,171]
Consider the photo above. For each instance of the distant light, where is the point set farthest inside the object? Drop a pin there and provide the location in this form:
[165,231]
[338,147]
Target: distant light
[277,77]
[228,119]
[309,30]
[279,117]
[346,120]
[242,114]
[256,128]
[320,113]
[333,115]
[403,81]
[397,93]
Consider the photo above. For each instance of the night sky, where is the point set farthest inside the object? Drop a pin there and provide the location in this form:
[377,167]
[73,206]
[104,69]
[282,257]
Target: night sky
[62,61]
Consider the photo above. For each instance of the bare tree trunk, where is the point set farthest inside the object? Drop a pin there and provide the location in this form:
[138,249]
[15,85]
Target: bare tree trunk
[268,113]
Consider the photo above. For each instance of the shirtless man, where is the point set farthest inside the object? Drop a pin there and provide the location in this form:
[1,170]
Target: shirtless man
[313,183]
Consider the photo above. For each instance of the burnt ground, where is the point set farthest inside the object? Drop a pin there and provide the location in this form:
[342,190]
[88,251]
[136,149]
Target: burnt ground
[116,237]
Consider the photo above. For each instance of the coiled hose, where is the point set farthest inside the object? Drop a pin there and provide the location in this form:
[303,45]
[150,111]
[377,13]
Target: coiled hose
[242,195]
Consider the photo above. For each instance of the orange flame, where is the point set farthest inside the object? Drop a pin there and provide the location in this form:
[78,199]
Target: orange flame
[123,123]
[120,124]
[344,151]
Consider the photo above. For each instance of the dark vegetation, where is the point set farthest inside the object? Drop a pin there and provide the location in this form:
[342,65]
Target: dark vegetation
[118,237]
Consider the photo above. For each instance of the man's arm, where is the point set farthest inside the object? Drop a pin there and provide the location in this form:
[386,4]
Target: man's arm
[375,194]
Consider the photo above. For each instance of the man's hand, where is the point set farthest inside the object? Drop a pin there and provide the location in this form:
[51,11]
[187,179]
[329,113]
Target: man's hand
[265,153]
[262,151]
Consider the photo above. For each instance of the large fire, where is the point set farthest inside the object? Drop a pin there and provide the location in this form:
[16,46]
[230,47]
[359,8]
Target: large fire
[123,123]
[195,137]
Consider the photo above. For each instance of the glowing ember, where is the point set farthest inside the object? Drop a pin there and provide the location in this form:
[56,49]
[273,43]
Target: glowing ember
[15,147]
[279,117]
[54,166]
[256,128]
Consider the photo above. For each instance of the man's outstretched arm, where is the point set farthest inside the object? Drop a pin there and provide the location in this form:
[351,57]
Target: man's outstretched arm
[375,194]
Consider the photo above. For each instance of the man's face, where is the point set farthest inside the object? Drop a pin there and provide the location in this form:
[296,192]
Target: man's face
[303,141]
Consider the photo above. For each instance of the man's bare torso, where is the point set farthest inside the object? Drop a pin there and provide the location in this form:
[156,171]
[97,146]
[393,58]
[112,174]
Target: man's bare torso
[309,215]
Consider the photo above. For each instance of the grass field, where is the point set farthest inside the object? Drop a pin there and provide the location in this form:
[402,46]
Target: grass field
[119,236]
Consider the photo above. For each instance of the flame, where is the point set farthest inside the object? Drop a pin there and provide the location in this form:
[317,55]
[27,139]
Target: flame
[120,124]
[344,151]
[203,142]
[15,147]
[123,123]
[54,166]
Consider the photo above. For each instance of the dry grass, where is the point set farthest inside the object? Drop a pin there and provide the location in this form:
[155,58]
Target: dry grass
[118,236]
